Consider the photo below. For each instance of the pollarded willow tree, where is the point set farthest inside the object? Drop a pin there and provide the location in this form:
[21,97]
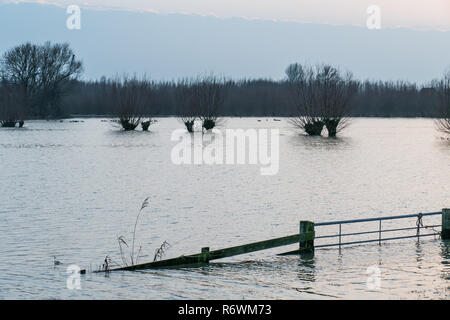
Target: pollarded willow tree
[185,104]
[131,99]
[301,81]
[321,96]
[335,92]
[443,88]
[201,98]
[208,97]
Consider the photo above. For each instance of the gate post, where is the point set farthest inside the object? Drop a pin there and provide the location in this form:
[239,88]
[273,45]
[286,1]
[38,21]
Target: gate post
[445,224]
[205,255]
[307,234]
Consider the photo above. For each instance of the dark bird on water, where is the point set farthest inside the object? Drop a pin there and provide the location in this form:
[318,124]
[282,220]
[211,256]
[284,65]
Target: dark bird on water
[56,262]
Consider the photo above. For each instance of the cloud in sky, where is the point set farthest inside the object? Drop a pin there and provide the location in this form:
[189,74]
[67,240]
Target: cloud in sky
[416,14]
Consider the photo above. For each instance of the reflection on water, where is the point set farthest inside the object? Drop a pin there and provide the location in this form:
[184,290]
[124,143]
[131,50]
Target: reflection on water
[308,143]
[69,189]
[445,253]
[306,268]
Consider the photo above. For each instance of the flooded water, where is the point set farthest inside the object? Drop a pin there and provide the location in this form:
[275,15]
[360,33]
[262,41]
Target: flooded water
[69,189]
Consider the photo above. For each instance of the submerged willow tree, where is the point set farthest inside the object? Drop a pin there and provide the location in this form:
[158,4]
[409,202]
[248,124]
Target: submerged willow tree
[185,104]
[131,99]
[443,87]
[209,96]
[201,98]
[321,96]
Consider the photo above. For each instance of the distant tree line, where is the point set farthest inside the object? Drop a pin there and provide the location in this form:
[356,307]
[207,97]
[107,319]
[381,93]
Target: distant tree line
[262,97]
[207,98]
[43,81]
[443,120]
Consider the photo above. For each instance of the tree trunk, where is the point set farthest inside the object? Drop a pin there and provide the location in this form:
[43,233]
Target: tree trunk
[145,125]
[189,126]
[8,123]
[208,124]
[128,125]
[314,128]
[331,125]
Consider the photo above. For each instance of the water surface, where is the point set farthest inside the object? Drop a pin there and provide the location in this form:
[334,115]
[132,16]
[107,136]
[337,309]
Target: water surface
[69,189]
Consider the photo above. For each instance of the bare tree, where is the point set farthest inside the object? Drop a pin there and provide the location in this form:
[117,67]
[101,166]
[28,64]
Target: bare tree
[302,86]
[20,66]
[12,104]
[57,68]
[44,72]
[334,93]
[208,97]
[443,87]
[186,107]
[321,96]
[130,97]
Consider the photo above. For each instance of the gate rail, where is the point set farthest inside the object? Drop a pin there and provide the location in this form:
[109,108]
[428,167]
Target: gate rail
[419,226]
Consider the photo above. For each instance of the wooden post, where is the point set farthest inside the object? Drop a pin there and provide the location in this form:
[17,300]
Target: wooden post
[445,223]
[205,255]
[306,243]
[379,234]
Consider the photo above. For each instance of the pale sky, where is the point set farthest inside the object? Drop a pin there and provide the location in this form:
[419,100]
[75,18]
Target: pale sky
[416,14]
